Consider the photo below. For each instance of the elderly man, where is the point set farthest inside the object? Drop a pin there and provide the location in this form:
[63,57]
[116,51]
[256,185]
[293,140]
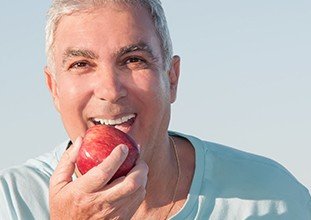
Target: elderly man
[110,62]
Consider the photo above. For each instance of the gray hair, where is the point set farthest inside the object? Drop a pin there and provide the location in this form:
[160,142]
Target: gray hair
[60,8]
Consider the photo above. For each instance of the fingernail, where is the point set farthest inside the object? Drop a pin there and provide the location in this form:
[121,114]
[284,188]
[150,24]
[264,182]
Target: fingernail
[124,149]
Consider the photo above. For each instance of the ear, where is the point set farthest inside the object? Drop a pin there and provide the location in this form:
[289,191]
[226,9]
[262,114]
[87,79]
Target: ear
[52,86]
[173,77]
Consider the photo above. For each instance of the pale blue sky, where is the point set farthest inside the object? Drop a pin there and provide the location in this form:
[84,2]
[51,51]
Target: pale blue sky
[245,79]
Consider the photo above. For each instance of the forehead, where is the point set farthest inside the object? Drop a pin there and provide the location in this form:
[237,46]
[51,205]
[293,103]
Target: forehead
[106,28]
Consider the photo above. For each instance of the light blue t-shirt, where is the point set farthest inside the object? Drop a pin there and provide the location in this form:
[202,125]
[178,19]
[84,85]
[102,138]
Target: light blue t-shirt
[227,184]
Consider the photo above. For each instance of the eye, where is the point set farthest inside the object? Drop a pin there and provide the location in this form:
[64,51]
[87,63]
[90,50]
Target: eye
[134,60]
[79,64]
[135,63]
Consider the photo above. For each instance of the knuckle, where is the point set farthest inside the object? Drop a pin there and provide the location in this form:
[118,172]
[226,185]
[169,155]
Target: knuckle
[79,198]
[117,159]
[54,182]
[132,185]
[85,200]
[101,173]
[143,167]
[104,176]
[66,156]
[107,210]
[110,165]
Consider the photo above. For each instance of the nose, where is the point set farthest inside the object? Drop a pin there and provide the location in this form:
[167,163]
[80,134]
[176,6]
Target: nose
[109,86]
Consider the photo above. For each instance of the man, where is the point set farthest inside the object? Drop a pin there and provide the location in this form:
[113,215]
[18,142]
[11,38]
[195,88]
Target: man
[110,62]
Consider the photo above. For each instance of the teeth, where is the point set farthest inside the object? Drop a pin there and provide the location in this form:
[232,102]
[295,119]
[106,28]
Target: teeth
[114,122]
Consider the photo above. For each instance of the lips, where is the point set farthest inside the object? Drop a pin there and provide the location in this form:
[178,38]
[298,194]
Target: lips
[123,123]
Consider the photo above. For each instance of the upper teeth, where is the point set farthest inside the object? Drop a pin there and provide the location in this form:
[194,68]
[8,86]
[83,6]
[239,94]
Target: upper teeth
[114,121]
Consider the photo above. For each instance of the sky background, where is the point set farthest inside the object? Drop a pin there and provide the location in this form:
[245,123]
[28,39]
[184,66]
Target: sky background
[245,78]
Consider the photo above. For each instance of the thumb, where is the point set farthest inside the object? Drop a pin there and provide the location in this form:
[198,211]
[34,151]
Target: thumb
[66,166]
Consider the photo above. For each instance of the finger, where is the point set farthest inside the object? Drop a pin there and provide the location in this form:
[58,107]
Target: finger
[127,206]
[139,197]
[97,177]
[121,179]
[135,200]
[66,166]
[136,179]
[140,170]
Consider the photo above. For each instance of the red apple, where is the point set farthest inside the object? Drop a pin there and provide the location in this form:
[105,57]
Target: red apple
[98,143]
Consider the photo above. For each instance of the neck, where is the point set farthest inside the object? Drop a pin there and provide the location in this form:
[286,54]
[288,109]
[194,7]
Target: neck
[162,178]
[161,159]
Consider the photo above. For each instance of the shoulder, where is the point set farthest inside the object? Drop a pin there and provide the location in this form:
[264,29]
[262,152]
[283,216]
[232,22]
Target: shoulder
[234,173]
[240,184]
[24,188]
[43,164]
[250,169]
[243,180]
[34,169]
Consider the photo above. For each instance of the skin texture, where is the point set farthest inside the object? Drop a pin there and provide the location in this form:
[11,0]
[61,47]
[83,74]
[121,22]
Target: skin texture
[108,65]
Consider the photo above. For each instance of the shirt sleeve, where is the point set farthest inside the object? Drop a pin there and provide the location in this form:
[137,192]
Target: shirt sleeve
[23,194]
[309,209]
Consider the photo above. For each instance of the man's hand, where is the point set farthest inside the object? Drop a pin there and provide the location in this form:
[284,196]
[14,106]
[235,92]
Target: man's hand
[89,196]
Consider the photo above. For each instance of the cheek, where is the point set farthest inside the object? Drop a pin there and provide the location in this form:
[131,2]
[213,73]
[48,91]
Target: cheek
[73,95]
[153,92]
[153,85]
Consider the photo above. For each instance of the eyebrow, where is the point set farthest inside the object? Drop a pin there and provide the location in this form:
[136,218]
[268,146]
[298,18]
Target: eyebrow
[140,46]
[71,52]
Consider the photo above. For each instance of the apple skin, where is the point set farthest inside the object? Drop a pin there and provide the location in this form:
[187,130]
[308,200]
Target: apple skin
[98,143]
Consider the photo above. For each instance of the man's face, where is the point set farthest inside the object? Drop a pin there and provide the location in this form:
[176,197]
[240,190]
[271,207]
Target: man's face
[109,69]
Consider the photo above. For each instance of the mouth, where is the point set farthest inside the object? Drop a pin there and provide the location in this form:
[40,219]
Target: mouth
[123,123]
